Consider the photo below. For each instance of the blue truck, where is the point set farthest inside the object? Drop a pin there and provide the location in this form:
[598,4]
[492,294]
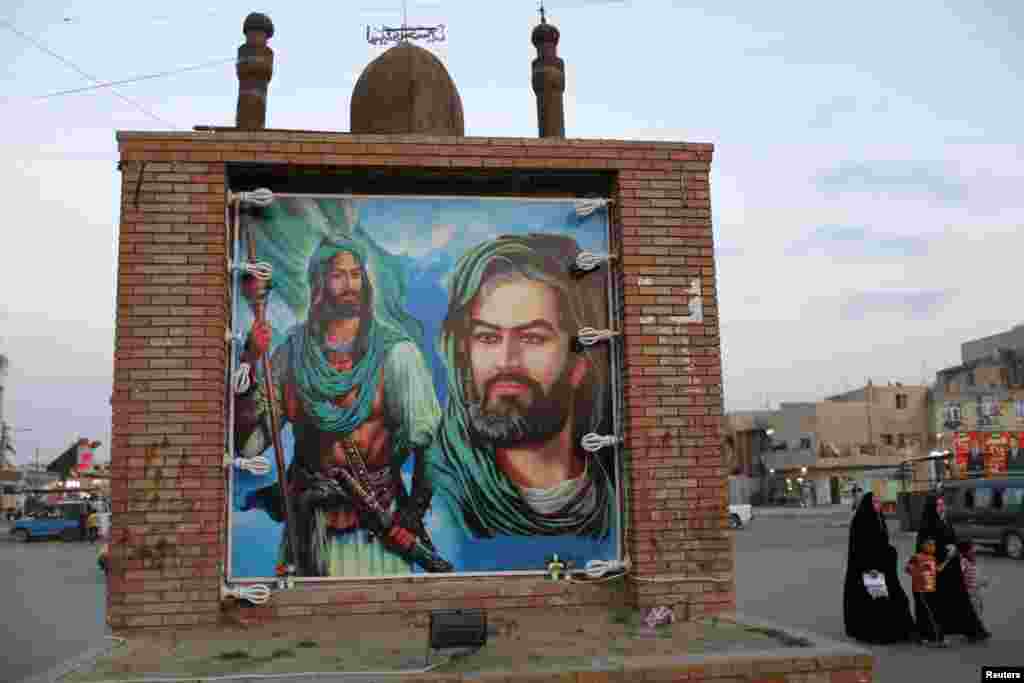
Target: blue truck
[64,520]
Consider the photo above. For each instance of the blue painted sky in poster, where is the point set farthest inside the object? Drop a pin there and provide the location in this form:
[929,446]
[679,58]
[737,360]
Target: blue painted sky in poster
[431,233]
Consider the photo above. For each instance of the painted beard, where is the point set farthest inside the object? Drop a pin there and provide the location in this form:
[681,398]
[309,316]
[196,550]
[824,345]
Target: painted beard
[338,310]
[510,421]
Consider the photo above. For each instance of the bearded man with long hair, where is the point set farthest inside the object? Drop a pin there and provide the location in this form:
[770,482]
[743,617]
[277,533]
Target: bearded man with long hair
[520,398]
[358,394]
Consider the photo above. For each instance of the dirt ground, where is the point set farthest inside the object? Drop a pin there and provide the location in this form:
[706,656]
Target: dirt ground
[580,638]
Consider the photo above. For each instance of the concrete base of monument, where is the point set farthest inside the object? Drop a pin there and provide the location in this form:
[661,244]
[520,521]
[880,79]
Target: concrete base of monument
[593,644]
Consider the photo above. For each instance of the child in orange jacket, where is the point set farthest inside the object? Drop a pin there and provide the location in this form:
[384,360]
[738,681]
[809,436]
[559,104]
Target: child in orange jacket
[923,572]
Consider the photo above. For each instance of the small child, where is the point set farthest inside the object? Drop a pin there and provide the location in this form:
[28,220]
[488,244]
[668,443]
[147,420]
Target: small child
[923,571]
[973,582]
[92,526]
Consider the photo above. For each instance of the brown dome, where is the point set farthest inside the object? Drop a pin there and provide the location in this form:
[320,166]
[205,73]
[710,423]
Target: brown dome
[258,22]
[406,90]
[544,33]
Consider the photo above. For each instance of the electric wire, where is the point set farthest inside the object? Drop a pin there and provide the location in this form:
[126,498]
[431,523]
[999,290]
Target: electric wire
[67,62]
[136,79]
[248,677]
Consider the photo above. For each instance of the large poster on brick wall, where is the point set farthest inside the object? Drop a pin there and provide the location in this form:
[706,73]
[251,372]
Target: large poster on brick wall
[430,386]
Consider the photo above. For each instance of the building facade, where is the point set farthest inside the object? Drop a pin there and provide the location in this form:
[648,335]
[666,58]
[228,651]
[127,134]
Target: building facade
[825,449]
[748,438]
[978,406]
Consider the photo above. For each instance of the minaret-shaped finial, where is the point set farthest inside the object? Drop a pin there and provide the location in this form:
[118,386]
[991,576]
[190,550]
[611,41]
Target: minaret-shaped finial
[548,80]
[255,67]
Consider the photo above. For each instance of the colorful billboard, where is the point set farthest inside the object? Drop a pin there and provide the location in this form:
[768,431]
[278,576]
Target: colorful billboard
[989,454]
[961,450]
[428,391]
[996,454]
[1015,453]
[984,413]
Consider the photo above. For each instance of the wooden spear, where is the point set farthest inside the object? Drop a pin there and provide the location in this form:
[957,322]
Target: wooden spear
[260,311]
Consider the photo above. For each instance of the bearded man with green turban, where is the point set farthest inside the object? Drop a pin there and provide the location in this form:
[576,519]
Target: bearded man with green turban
[520,398]
[358,394]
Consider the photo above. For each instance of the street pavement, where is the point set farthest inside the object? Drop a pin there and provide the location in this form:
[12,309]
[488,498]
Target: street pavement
[51,605]
[790,570]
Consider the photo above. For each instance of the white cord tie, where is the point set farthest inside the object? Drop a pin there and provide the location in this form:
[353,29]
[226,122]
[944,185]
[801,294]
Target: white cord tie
[588,261]
[260,271]
[592,442]
[257,465]
[585,207]
[261,197]
[257,594]
[596,569]
[240,381]
[588,336]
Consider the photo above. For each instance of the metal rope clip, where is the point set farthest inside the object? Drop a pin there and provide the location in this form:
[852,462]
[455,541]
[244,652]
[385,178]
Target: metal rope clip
[587,261]
[260,271]
[585,207]
[240,381]
[257,594]
[260,198]
[257,465]
[588,336]
[592,442]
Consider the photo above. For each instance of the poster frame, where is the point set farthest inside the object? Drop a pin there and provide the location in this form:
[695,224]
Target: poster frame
[236,241]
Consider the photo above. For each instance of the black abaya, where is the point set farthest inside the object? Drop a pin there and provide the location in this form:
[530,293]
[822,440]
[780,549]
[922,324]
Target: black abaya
[867,619]
[950,604]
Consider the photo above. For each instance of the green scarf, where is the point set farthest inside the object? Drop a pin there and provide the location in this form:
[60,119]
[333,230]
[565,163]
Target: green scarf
[318,383]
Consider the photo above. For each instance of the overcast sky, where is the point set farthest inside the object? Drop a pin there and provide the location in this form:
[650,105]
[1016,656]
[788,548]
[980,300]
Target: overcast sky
[866,184]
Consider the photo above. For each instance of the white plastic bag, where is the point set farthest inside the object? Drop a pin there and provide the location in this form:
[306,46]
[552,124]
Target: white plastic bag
[875,584]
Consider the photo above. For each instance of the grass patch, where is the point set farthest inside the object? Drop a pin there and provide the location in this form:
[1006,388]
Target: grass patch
[307,643]
[281,653]
[233,655]
[622,615]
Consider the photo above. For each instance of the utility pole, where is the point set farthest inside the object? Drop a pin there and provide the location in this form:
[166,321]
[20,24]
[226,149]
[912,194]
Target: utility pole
[870,397]
[4,430]
[5,436]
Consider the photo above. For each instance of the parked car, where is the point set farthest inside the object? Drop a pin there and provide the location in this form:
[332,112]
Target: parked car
[989,512]
[740,516]
[64,520]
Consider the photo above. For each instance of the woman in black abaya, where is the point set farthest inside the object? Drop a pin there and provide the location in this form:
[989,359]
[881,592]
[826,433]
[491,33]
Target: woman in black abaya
[951,605]
[867,619]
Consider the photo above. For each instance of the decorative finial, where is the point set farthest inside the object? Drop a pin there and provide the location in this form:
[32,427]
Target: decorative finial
[388,34]
[542,19]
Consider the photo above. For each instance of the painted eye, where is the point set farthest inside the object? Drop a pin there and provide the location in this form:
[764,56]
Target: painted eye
[486,338]
[533,339]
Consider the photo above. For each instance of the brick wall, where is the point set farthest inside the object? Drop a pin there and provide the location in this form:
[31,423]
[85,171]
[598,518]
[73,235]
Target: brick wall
[168,403]
[169,391]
